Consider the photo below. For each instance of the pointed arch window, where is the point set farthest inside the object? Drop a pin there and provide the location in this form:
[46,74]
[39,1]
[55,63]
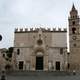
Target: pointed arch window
[73,30]
[18,51]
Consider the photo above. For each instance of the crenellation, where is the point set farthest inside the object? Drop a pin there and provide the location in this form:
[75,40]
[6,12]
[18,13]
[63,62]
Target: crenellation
[59,29]
[49,29]
[21,29]
[54,29]
[16,29]
[31,29]
[37,29]
[26,29]
[43,29]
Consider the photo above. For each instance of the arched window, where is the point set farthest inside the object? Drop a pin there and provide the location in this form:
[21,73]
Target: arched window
[73,30]
[18,51]
[73,22]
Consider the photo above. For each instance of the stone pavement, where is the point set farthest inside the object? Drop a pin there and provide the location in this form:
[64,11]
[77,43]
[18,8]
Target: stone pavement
[42,76]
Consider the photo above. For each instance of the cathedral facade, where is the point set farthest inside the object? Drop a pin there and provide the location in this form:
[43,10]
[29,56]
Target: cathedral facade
[40,49]
[45,49]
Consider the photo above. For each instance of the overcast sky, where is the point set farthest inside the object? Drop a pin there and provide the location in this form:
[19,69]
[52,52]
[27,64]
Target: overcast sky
[25,13]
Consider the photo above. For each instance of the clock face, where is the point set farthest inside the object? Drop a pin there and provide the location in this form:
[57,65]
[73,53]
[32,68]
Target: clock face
[74,37]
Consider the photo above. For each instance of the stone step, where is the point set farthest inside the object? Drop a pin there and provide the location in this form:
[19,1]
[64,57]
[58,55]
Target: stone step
[38,73]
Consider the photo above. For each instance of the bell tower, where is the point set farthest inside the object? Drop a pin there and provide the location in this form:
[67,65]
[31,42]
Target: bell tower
[74,39]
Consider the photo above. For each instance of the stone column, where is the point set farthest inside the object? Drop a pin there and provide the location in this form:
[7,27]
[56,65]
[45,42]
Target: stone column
[45,63]
[33,62]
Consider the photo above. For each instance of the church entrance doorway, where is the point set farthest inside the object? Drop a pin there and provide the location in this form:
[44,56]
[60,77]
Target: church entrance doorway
[20,65]
[57,65]
[39,62]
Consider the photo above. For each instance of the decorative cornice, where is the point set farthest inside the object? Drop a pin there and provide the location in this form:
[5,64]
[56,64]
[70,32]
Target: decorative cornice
[21,30]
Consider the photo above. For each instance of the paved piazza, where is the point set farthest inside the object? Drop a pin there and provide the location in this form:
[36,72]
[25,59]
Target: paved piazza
[43,76]
[77,77]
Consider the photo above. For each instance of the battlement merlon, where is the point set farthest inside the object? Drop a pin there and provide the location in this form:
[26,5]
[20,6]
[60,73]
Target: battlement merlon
[43,29]
[16,30]
[26,29]
[59,29]
[21,29]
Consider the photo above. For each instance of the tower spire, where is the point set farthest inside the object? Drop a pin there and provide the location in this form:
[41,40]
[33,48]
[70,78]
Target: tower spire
[73,12]
[73,7]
